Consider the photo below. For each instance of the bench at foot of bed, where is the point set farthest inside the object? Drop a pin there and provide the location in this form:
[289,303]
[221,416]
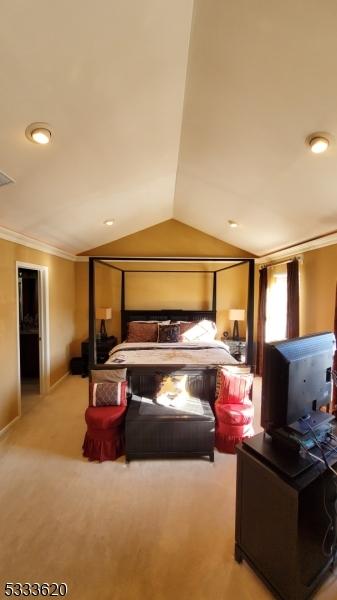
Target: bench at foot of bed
[155,430]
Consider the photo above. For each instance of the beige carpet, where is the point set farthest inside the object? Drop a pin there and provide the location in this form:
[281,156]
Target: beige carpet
[152,530]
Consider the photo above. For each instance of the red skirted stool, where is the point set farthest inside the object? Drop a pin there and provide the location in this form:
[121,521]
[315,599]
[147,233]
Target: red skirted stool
[104,439]
[234,410]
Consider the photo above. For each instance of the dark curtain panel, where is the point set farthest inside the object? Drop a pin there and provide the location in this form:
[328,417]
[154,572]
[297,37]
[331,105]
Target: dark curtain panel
[334,394]
[293,300]
[261,323]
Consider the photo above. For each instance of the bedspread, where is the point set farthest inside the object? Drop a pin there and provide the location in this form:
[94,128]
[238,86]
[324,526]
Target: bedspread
[182,353]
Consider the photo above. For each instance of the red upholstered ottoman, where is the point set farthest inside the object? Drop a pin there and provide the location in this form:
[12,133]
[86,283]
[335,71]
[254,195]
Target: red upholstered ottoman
[234,411]
[104,439]
[235,414]
[228,436]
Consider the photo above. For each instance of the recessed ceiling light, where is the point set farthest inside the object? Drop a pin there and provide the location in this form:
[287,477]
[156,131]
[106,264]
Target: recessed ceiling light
[232,223]
[39,133]
[318,143]
[109,222]
[41,136]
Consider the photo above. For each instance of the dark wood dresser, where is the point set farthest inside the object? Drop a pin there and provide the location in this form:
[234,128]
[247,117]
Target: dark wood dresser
[284,522]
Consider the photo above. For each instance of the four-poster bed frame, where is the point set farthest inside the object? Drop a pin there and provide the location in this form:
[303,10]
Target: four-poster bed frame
[202,380]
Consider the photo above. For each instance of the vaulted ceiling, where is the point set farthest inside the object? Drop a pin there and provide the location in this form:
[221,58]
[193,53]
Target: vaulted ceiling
[169,108]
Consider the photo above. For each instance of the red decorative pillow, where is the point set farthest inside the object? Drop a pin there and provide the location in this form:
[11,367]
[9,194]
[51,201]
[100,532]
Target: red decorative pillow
[108,393]
[142,331]
[234,387]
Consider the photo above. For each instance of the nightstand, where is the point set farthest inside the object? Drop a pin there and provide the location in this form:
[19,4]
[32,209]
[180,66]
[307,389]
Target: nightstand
[103,347]
[237,348]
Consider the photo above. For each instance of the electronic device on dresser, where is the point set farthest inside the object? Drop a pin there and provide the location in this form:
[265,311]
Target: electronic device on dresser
[296,385]
[286,502]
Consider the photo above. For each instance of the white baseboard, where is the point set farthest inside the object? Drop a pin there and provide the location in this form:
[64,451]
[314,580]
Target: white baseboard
[2,431]
[52,387]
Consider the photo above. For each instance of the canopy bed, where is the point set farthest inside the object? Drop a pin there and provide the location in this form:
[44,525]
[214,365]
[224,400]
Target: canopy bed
[148,362]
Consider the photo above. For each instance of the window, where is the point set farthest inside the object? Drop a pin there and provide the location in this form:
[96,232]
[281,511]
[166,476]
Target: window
[276,309]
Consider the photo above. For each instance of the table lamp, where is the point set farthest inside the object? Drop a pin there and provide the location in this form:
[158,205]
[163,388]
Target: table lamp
[103,314]
[236,315]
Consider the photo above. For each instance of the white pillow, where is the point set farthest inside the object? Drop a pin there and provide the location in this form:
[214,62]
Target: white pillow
[203,331]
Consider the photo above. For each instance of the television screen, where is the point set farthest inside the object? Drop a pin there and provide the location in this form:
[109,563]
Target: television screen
[296,378]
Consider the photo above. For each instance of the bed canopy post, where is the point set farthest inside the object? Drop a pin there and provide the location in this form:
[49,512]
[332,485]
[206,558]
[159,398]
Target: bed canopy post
[92,323]
[214,291]
[125,316]
[123,291]
[250,313]
[123,324]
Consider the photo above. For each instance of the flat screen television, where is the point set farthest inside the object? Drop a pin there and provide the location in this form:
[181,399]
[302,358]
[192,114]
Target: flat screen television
[296,379]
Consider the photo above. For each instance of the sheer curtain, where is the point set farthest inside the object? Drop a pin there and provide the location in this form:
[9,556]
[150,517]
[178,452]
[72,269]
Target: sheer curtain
[293,299]
[276,309]
[261,323]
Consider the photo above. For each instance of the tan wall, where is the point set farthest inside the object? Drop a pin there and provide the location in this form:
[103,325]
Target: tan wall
[169,290]
[61,309]
[232,292]
[161,290]
[108,295]
[158,290]
[81,307]
[318,278]
[170,238]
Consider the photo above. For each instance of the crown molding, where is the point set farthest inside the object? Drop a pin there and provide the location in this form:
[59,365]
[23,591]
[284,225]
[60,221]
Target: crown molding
[80,258]
[164,259]
[25,240]
[313,244]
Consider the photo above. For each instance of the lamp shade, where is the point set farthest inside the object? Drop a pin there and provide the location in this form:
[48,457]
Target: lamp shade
[103,313]
[236,314]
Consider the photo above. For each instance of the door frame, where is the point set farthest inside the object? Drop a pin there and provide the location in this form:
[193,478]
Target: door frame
[44,338]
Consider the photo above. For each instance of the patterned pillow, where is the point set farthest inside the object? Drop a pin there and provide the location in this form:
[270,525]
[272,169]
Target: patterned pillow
[168,333]
[108,394]
[139,331]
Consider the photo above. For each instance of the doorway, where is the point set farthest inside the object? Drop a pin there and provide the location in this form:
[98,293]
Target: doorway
[29,331]
[33,331]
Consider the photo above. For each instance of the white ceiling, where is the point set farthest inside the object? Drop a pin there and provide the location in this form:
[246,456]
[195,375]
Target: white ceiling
[261,77]
[110,79]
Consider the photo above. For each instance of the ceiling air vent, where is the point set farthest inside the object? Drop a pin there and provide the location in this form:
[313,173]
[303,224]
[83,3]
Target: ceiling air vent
[4,179]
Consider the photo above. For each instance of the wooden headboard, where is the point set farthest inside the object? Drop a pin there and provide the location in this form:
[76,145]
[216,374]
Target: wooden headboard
[163,315]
